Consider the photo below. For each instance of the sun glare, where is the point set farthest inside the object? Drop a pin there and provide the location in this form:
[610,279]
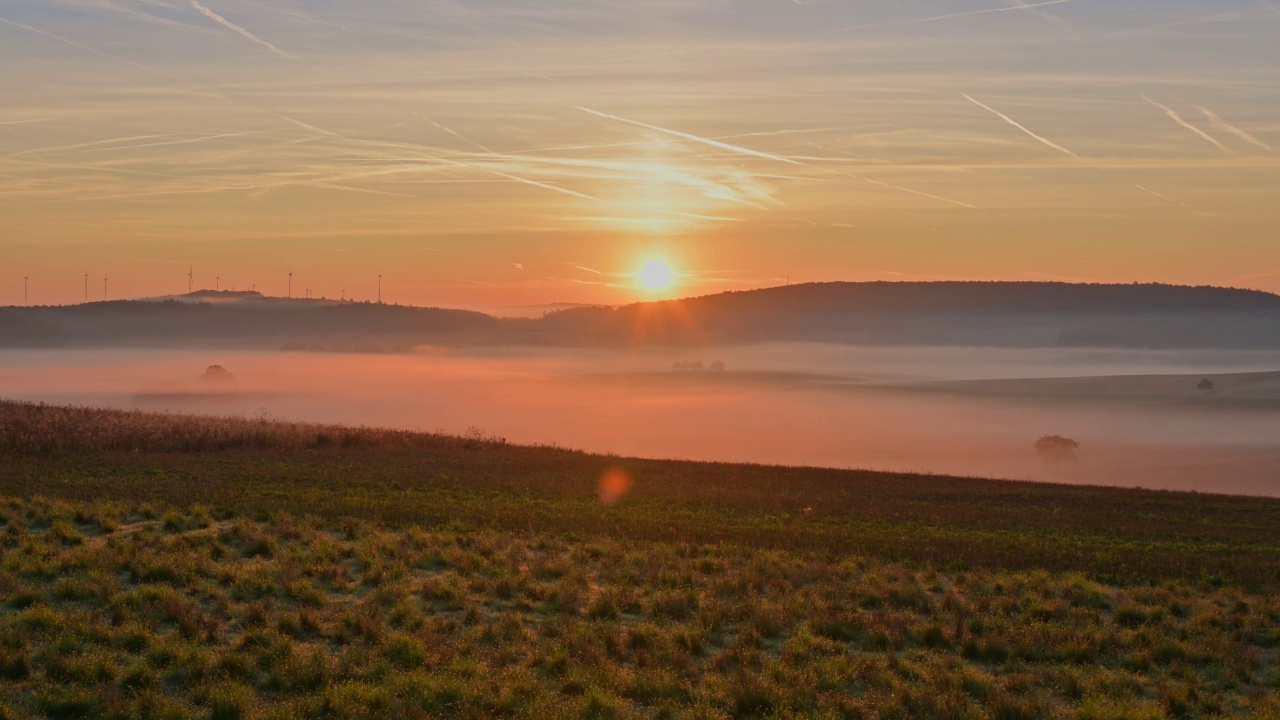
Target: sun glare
[655,275]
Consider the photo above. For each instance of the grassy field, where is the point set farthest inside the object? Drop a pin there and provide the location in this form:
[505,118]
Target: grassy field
[163,566]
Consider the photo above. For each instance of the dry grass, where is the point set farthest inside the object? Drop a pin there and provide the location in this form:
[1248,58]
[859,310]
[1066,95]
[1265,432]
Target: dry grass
[114,611]
[161,566]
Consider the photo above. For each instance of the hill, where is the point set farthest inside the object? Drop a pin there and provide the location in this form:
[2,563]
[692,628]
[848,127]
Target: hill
[242,320]
[204,567]
[935,313]
[944,313]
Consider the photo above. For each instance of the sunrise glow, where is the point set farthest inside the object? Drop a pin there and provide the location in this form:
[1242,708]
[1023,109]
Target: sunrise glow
[656,275]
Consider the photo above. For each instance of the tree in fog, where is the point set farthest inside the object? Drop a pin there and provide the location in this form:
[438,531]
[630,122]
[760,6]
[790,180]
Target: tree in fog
[218,375]
[717,366]
[1205,385]
[1057,449]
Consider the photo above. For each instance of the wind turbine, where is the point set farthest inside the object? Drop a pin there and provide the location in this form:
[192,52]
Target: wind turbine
[379,288]
[217,283]
[25,297]
[86,287]
[190,279]
[291,284]
[104,287]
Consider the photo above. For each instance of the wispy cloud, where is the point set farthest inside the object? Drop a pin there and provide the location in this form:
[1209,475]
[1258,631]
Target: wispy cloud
[73,43]
[1011,121]
[1024,5]
[1160,195]
[948,16]
[454,133]
[1225,126]
[535,183]
[918,192]
[188,141]
[308,18]
[243,32]
[694,138]
[768,156]
[1173,115]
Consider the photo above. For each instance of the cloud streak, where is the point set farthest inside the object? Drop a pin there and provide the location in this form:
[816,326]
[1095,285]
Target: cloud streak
[243,32]
[935,18]
[1225,126]
[73,43]
[1011,121]
[1173,115]
[695,138]
[1160,195]
[767,156]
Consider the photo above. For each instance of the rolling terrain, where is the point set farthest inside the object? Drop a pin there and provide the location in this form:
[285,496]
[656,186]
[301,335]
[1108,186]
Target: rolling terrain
[1007,314]
[214,567]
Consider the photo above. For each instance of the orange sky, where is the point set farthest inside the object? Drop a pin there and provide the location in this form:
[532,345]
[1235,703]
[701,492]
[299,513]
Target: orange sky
[496,153]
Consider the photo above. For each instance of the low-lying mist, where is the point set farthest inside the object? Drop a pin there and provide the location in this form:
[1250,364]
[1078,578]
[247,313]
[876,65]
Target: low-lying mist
[840,406]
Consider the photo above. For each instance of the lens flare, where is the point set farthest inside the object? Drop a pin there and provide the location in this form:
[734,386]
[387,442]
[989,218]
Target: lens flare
[614,485]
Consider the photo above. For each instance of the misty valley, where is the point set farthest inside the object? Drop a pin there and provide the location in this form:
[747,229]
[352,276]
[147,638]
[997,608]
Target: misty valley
[645,360]
[1141,418]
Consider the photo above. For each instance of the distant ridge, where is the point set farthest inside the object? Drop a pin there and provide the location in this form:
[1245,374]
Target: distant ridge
[1016,314]
[1003,296]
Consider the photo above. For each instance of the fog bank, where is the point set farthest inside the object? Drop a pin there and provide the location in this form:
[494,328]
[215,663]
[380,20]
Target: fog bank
[828,405]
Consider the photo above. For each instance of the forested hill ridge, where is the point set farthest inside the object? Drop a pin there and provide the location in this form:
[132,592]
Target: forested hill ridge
[1016,314]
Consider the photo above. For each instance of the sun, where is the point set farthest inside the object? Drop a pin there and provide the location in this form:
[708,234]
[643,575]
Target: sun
[656,274]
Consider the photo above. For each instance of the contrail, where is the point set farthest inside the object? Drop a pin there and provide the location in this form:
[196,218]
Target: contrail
[535,183]
[767,156]
[75,44]
[917,192]
[1014,123]
[695,138]
[456,134]
[954,15]
[1023,5]
[63,148]
[24,122]
[1178,119]
[188,141]
[237,29]
[1160,195]
[308,18]
[1221,124]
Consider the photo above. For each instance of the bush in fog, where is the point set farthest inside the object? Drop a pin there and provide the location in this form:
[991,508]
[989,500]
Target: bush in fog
[717,366]
[1206,385]
[690,366]
[1056,449]
[217,375]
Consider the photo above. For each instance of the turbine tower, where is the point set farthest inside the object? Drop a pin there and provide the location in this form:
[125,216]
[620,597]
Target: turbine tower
[104,287]
[379,288]
[217,283]
[190,279]
[290,284]
[25,296]
[86,287]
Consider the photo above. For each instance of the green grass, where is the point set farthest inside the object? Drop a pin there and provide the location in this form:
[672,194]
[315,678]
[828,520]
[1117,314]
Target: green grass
[158,566]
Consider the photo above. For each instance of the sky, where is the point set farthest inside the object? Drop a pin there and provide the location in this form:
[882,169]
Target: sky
[494,153]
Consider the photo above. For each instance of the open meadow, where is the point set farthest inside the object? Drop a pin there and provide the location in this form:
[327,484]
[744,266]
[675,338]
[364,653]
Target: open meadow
[173,566]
